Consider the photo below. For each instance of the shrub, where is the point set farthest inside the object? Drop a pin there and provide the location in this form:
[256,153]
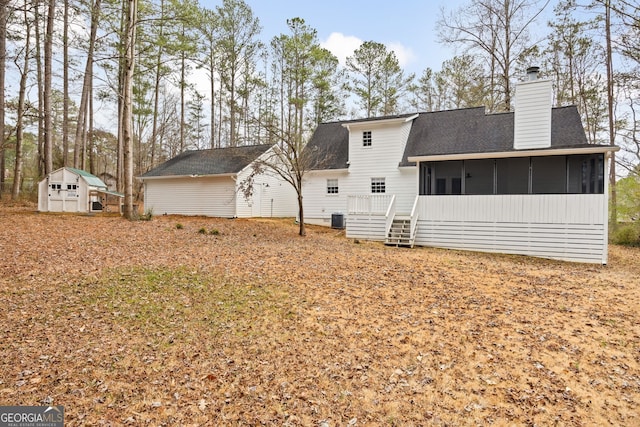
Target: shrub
[179,226]
[214,232]
[202,230]
[627,234]
[148,214]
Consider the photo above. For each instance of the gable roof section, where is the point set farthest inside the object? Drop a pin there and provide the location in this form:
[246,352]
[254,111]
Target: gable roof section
[329,147]
[217,161]
[470,130]
[462,131]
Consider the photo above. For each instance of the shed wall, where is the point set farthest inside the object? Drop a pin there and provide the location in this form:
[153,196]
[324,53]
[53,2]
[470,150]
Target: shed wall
[208,196]
[63,199]
[272,196]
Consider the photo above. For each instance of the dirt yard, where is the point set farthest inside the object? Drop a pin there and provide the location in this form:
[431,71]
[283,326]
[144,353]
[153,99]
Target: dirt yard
[199,321]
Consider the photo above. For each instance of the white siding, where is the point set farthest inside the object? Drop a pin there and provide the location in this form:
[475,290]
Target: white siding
[318,205]
[532,122]
[208,196]
[272,197]
[380,160]
[63,200]
[569,227]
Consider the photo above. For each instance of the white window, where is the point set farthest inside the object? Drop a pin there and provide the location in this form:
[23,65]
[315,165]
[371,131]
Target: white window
[332,186]
[366,138]
[378,185]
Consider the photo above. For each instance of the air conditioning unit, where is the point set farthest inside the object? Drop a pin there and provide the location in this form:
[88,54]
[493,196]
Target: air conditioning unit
[337,220]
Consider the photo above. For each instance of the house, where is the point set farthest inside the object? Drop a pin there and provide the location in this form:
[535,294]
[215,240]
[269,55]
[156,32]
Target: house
[523,182]
[209,183]
[74,190]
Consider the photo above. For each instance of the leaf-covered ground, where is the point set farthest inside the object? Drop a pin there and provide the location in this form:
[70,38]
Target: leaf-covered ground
[201,321]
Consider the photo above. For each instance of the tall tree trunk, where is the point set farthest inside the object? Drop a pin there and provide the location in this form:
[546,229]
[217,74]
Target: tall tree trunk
[80,134]
[40,80]
[22,94]
[183,85]
[4,13]
[48,114]
[129,40]
[613,219]
[121,72]
[220,119]
[90,136]
[65,84]
[213,98]
[156,89]
[232,111]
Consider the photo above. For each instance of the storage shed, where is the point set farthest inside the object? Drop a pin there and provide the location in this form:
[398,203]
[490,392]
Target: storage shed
[74,190]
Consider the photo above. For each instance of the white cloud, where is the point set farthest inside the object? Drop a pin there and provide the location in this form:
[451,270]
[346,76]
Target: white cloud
[404,54]
[343,46]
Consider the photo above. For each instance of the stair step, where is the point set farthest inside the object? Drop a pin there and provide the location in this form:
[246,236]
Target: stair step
[400,232]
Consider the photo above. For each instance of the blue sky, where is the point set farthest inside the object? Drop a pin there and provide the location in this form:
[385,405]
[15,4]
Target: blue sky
[408,27]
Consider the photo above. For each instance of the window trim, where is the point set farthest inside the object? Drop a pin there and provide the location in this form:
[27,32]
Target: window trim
[367,138]
[330,188]
[378,185]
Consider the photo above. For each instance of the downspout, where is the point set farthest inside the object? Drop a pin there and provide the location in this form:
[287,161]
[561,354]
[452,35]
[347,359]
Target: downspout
[605,243]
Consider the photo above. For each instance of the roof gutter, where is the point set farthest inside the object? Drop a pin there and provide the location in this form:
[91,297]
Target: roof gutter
[221,175]
[519,153]
[319,171]
[373,122]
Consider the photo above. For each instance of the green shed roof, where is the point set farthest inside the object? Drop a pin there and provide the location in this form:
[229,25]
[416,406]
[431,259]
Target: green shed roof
[90,179]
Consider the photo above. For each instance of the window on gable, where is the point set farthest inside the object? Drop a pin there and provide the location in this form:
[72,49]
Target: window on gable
[378,185]
[366,138]
[332,186]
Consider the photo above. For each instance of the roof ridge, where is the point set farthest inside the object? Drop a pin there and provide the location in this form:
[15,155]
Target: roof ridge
[227,148]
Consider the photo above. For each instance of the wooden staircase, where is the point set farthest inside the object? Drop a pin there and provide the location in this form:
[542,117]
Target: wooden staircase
[400,233]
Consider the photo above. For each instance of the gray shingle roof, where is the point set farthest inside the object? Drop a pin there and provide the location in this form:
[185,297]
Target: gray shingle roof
[472,131]
[462,131]
[216,161]
[329,147]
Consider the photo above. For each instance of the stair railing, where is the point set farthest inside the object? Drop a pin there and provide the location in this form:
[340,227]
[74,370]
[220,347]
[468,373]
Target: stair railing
[414,220]
[389,216]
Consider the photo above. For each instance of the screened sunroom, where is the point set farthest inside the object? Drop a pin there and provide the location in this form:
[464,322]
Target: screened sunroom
[559,174]
[550,203]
